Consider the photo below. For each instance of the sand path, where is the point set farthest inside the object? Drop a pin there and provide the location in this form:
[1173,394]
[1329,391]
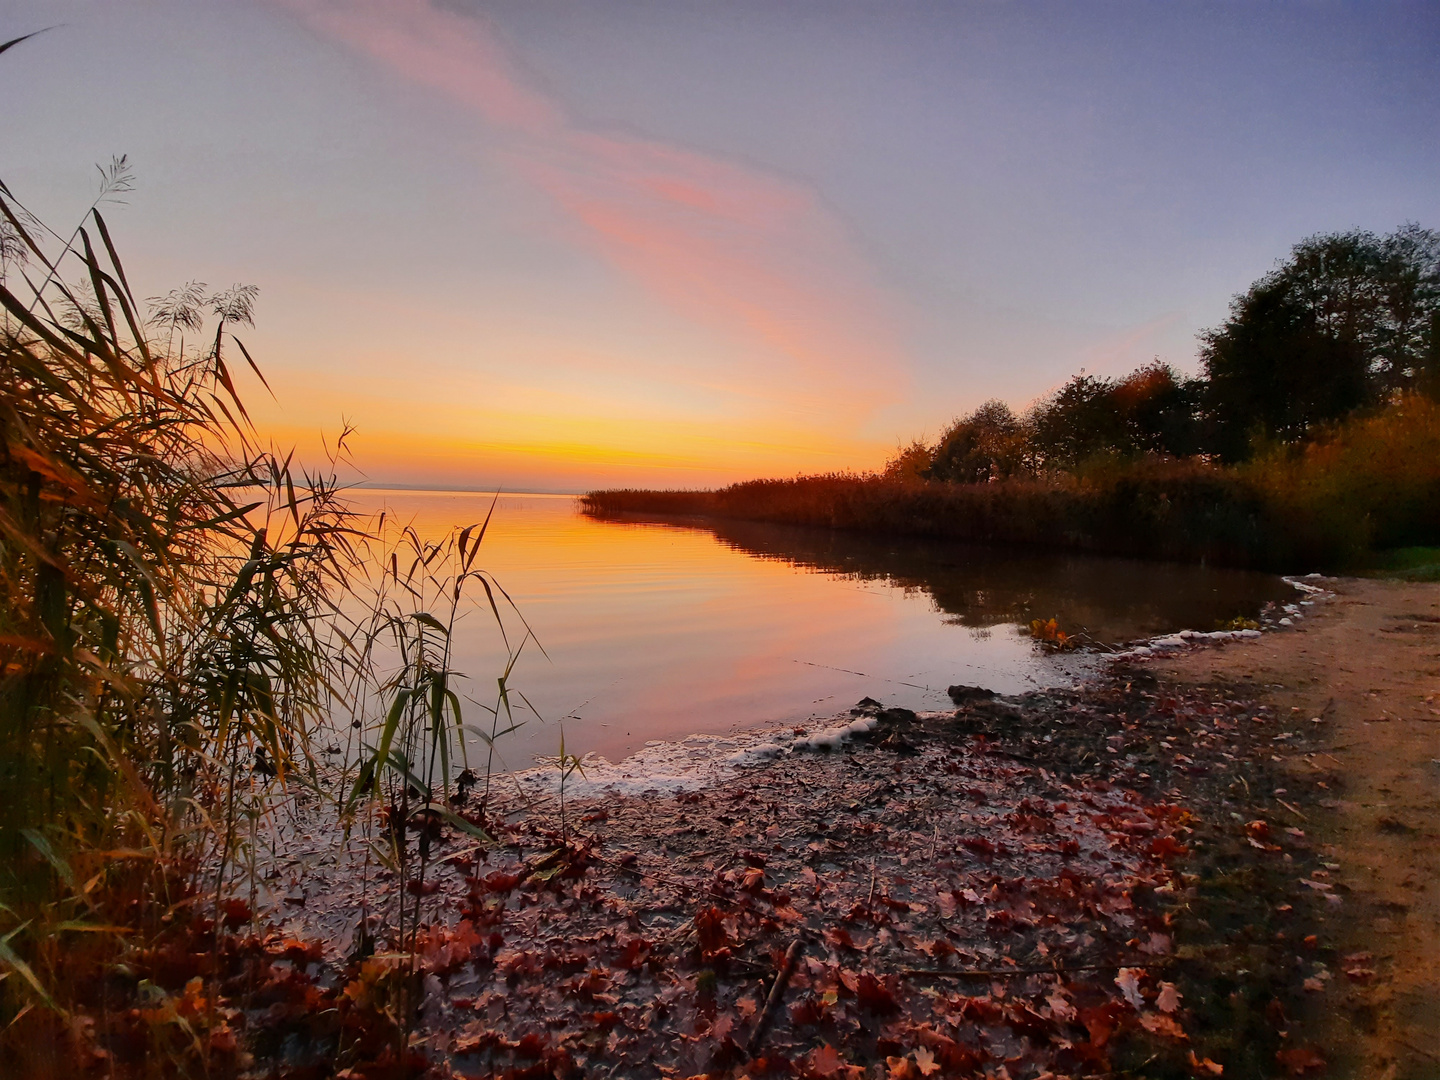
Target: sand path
[1367,663]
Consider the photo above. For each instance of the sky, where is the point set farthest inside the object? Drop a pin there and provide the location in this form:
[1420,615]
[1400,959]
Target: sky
[663,243]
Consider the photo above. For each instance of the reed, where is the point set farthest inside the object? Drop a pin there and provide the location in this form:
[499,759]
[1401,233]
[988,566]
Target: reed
[182,608]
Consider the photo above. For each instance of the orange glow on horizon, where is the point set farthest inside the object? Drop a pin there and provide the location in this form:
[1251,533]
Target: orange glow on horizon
[796,347]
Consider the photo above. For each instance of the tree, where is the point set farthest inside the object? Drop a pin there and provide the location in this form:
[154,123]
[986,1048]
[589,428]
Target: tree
[1348,320]
[989,444]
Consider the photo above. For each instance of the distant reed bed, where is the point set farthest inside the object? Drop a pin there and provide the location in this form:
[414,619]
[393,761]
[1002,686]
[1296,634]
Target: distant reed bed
[1370,483]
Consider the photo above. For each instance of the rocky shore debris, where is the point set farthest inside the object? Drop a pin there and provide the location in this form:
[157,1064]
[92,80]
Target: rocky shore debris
[1024,885]
[965,695]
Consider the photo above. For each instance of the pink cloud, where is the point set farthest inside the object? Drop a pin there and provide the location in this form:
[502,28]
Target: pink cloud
[752,254]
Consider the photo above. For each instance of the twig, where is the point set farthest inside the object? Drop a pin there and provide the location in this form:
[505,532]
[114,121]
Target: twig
[1292,809]
[991,973]
[777,991]
[1419,1050]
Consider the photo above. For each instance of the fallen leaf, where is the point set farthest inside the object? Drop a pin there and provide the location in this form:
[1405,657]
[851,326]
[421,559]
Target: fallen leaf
[1160,1024]
[824,1061]
[1062,1009]
[874,995]
[1205,1067]
[1129,983]
[925,1062]
[1300,1059]
[1169,999]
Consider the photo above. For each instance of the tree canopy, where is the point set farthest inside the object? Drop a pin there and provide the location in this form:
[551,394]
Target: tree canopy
[1350,320]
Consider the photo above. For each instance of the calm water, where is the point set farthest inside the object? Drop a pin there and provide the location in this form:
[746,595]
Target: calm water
[656,630]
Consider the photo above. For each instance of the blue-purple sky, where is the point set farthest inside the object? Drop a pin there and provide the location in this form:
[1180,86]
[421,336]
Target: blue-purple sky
[562,245]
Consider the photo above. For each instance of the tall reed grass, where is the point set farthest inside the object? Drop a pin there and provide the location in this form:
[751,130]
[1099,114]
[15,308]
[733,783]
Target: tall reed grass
[181,608]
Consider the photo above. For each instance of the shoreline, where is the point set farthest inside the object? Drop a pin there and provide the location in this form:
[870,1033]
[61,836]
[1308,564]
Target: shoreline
[1148,874]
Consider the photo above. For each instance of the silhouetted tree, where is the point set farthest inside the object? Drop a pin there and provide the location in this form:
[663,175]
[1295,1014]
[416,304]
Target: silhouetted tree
[1159,411]
[1078,422]
[989,444]
[1153,410]
[1348,320]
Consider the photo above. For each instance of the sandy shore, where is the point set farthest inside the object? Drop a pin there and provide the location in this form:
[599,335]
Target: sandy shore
[1367,665]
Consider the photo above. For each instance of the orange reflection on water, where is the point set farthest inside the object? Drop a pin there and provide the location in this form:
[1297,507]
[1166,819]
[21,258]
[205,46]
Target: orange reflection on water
[657,632]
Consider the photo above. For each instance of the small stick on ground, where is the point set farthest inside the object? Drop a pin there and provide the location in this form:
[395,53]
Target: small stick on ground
[777,991]
[993,973]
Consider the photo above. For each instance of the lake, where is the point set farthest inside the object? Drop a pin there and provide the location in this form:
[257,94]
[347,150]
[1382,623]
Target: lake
[656,630]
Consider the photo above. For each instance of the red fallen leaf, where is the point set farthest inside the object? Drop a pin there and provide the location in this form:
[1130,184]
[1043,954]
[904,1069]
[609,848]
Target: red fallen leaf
[981,846]
[1099,1021]
[710,928]
[499,881]
[1257,830]
[604,1021]
[840,938]
[522,963]
[824,1061]
[635,953]
[1359,974]
[299,952]
[1069,847]
[946,901]
[807,1011]
[1205,1067]
[236,913]
[983,1010]
[753,858]
[531,1045]
[594,982]
[772,1064]
[860,912]
[1167,847]
[939,948]
[1160,1024]
[1299,1060]
[1026,1021]
[874,994]
[754,880]
[422,888]
[951,1055]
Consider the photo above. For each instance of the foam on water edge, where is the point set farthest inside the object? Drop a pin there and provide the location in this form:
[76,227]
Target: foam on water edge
[695,761]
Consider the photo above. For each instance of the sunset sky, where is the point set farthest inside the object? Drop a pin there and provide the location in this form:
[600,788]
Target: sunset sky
[554,246]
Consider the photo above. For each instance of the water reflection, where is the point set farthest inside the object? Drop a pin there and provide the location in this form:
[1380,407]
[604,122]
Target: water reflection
[659,629]
[1112,599]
